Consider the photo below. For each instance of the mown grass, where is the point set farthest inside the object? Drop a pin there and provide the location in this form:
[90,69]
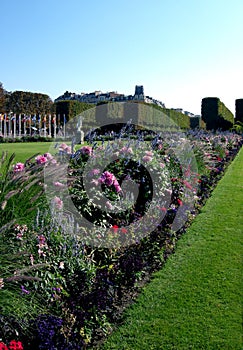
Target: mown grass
[24,150]
[195,301]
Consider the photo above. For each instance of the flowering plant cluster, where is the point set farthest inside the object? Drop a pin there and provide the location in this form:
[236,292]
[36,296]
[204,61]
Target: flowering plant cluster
[64,293]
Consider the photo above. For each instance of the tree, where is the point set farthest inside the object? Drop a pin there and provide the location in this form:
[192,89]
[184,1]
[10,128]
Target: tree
[30,103]
[2,98]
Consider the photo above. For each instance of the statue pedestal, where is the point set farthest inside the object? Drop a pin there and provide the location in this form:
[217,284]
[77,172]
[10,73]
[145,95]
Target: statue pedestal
[79,136]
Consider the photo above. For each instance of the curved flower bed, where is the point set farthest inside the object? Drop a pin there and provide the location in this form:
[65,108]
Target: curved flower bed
[56,290]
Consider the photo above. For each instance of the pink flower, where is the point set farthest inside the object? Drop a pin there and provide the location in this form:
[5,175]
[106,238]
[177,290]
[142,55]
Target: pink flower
[68,150]
[57,202]
[147,159]
[48,156]
[127,150]
[86,150]
[118,188]
[109,179]
[149,153]
[109,205]
[41,159]
[162,165]
[63,146]
[94,172]
[18,167]
[58,184]
[187,184]
[95,182]
[53,161]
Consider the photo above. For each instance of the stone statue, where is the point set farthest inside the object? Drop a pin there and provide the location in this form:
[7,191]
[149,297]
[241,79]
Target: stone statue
[79,132]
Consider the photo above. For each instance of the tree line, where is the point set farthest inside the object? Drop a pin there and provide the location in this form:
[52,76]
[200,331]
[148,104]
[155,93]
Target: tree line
[25,102]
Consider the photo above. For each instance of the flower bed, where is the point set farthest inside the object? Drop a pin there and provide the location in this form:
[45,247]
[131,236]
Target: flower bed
[62,289]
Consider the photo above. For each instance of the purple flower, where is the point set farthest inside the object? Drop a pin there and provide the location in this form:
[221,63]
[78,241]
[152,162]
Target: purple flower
[24,291]
[109,179]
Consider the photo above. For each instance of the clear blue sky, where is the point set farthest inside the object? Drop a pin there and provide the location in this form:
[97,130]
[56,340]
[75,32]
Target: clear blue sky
[180,50]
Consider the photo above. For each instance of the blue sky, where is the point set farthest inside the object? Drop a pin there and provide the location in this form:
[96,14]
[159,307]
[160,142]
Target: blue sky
[180,50]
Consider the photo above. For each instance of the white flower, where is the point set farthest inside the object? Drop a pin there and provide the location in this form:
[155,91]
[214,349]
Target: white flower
[61,265]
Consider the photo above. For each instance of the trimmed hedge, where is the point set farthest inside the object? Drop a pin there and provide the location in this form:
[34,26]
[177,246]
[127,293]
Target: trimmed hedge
[216,115]
[71,108]
[239,110]
[109,113]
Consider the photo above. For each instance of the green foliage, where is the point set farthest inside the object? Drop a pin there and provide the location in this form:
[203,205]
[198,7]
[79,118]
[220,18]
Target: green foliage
[29,103]
[18,188]
[239,110]
[71,108]
[2,98]
[215,114]
[194,302]
[195,122]
[178,119]
[60,274]
[238,127]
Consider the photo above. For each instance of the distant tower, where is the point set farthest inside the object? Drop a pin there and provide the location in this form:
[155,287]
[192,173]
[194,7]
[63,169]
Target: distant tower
[139,90]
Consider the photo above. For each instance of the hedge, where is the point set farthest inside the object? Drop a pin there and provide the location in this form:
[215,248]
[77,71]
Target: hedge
[215,114]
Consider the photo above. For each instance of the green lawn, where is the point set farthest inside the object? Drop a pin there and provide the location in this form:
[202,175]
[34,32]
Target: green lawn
[25,150]
[195,301]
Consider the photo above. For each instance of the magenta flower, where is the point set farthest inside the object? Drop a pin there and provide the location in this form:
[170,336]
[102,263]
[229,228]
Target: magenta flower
[18,167]
[86,150]
[48,156]
[109,179]
[41,159]
[117,187]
